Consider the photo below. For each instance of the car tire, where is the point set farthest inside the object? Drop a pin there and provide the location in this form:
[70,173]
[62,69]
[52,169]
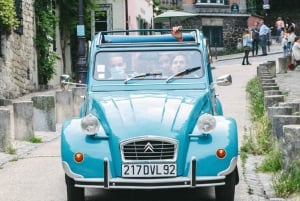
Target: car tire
[73,193]
[227,191]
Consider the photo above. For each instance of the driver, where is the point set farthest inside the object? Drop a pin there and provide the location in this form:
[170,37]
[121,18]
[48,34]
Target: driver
[117,66]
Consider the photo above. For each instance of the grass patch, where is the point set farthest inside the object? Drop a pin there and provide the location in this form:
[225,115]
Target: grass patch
[272,162]
[288,182]
[35,140]
[14,159]
[11,150]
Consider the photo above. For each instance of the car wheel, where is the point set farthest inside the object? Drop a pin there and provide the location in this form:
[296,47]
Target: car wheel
[73,193]
[226,192]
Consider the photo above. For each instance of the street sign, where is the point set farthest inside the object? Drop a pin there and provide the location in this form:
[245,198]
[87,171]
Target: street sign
[80,30]
[266,6]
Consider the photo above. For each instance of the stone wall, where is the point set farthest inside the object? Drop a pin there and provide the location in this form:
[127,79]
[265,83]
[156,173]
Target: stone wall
[232,32]
[18,71]
[233,28]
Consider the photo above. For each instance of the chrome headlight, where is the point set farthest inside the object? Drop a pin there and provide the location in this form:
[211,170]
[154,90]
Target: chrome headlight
[206,123]
[90,124]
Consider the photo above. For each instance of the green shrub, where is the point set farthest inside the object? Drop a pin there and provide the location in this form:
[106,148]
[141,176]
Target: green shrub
[288,182]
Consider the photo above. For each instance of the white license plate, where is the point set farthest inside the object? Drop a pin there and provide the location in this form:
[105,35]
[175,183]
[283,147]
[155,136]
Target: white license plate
[149,170]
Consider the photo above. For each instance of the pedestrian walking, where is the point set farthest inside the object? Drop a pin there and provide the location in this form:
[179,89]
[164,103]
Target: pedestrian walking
[247,44]
[279,24]
[255,38]
[263,35]
[284,41]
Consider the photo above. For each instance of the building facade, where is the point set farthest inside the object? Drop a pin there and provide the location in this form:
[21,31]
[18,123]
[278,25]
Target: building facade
[18,61]
[121,15]
[18,56]
[222,21]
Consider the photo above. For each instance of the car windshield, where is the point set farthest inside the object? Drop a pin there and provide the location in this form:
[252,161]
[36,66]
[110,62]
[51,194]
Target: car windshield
[147,64]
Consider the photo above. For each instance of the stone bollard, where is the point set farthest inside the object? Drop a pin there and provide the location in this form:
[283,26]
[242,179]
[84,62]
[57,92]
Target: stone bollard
[78,97]
[279,121]
[282,65]
[265,84]
[273,100]
[267,81]
[272,92]
[5,102]
[5,128]
[266,88]
[272,111]
[44,113]
[294,105]
[272,68]
[23,120]
[290,145]
[264,77]
[64,105]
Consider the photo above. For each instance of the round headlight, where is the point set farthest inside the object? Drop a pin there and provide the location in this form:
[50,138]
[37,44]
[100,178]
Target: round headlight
[90,124]
[206,123]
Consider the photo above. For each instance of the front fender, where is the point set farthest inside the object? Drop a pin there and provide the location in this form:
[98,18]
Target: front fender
[203,147]
[73,140]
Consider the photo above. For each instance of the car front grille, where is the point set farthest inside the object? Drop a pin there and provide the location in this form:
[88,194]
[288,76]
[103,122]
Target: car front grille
[149,148]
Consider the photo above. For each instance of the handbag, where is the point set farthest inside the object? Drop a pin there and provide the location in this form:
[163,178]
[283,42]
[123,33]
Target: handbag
[247,48]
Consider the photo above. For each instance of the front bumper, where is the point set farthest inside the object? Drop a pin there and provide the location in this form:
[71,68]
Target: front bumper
[191,181]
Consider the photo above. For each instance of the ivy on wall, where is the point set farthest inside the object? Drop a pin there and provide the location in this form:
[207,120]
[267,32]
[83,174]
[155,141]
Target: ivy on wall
[8,16]
[45,34]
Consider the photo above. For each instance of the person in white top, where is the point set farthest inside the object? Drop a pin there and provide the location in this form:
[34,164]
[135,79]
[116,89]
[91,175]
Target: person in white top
[296,51]
[247,45]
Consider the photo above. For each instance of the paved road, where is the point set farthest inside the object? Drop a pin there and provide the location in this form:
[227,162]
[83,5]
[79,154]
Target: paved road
[37,174]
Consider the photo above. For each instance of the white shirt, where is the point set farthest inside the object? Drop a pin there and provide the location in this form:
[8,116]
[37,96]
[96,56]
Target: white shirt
[296,51]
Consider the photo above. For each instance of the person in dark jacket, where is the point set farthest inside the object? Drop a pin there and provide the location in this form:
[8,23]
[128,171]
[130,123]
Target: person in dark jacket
[255,38]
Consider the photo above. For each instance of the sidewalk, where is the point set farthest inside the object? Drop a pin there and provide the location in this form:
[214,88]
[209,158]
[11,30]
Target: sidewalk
[274,49]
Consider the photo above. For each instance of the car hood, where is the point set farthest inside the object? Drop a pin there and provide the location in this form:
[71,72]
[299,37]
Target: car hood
[139,114]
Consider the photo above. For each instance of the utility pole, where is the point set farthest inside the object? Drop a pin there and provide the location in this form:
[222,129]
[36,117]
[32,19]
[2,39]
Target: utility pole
[81,61]
[126,16]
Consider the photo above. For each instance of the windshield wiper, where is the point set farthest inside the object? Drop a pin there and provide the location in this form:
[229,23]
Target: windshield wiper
[142,76]
[185,72]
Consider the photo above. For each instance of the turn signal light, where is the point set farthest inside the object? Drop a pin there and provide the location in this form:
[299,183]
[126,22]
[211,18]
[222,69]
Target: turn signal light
[78,157]
[221,153]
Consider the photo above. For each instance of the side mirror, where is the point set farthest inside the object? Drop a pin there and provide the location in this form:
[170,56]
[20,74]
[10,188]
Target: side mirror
[224,80]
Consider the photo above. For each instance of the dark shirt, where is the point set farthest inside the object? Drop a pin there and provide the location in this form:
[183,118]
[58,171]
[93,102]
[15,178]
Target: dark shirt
[255,33]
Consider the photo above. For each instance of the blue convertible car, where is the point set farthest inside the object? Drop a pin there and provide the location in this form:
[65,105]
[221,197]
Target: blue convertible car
[150,118]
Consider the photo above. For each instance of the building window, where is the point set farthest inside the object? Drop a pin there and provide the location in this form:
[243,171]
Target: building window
[168,2]
[101,19]
[211,2]
[19,12]
[214,34]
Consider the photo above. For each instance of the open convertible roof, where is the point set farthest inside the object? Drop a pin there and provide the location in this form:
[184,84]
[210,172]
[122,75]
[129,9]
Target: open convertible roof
[142,36]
